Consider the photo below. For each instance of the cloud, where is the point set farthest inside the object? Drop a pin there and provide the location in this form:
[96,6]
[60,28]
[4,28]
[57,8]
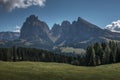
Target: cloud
[17,28]
[12,4]
[114,26]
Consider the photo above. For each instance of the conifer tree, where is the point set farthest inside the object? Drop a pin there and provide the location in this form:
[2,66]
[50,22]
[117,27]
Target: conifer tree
[91,57]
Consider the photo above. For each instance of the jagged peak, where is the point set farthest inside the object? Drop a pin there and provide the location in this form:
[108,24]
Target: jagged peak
[64,23]
[79,19]
[56,25]
[32,18]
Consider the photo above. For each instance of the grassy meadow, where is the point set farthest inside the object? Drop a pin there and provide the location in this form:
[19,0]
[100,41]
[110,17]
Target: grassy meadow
[72,50]
[56,71]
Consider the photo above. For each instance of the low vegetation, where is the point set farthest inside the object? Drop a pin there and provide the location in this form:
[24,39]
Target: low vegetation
[56,71]
[72,50]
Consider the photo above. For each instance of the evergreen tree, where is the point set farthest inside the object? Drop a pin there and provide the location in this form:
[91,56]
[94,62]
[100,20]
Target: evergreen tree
[107,55]
[91,57]
[118,55]
[113,47]
[104,45]
[99,52]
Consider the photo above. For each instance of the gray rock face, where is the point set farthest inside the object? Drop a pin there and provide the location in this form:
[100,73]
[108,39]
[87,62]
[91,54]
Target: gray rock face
[56,30]
[78,31]
[34,30]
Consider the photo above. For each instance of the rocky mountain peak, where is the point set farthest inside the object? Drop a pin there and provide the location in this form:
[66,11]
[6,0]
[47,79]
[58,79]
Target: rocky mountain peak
[32,18]
[34,29]
[56,25]
[36,33]
[65,23]
[79,19]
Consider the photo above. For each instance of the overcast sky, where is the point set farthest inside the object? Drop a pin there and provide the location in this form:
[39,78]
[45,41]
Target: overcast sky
[99,12]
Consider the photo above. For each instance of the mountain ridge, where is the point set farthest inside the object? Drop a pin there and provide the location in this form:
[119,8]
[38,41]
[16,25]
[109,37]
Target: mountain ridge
[36,33]
[9,35]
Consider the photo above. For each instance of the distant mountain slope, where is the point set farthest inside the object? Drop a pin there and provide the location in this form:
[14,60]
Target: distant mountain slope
[9,36]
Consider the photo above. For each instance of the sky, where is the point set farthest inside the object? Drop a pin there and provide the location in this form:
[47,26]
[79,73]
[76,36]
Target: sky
[13,13]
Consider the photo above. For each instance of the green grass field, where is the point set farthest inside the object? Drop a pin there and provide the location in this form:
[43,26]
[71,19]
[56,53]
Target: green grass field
[71,50]
[56,71]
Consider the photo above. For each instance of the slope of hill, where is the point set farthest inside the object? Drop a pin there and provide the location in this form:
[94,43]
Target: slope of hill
[56,71]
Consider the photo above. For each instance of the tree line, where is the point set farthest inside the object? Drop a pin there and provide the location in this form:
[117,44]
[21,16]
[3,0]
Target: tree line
[96,54]
[36,55]
[102,53]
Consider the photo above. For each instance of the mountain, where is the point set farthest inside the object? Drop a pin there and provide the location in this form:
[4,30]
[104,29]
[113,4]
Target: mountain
[35,33]
[114,26]
[78,34]
[9,36]
[34,29]
[58,31]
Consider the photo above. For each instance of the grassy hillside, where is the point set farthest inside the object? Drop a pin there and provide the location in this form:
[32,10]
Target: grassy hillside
[55,71]
[72,50]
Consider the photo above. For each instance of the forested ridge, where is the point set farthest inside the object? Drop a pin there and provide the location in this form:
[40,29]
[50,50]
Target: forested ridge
[96,54]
